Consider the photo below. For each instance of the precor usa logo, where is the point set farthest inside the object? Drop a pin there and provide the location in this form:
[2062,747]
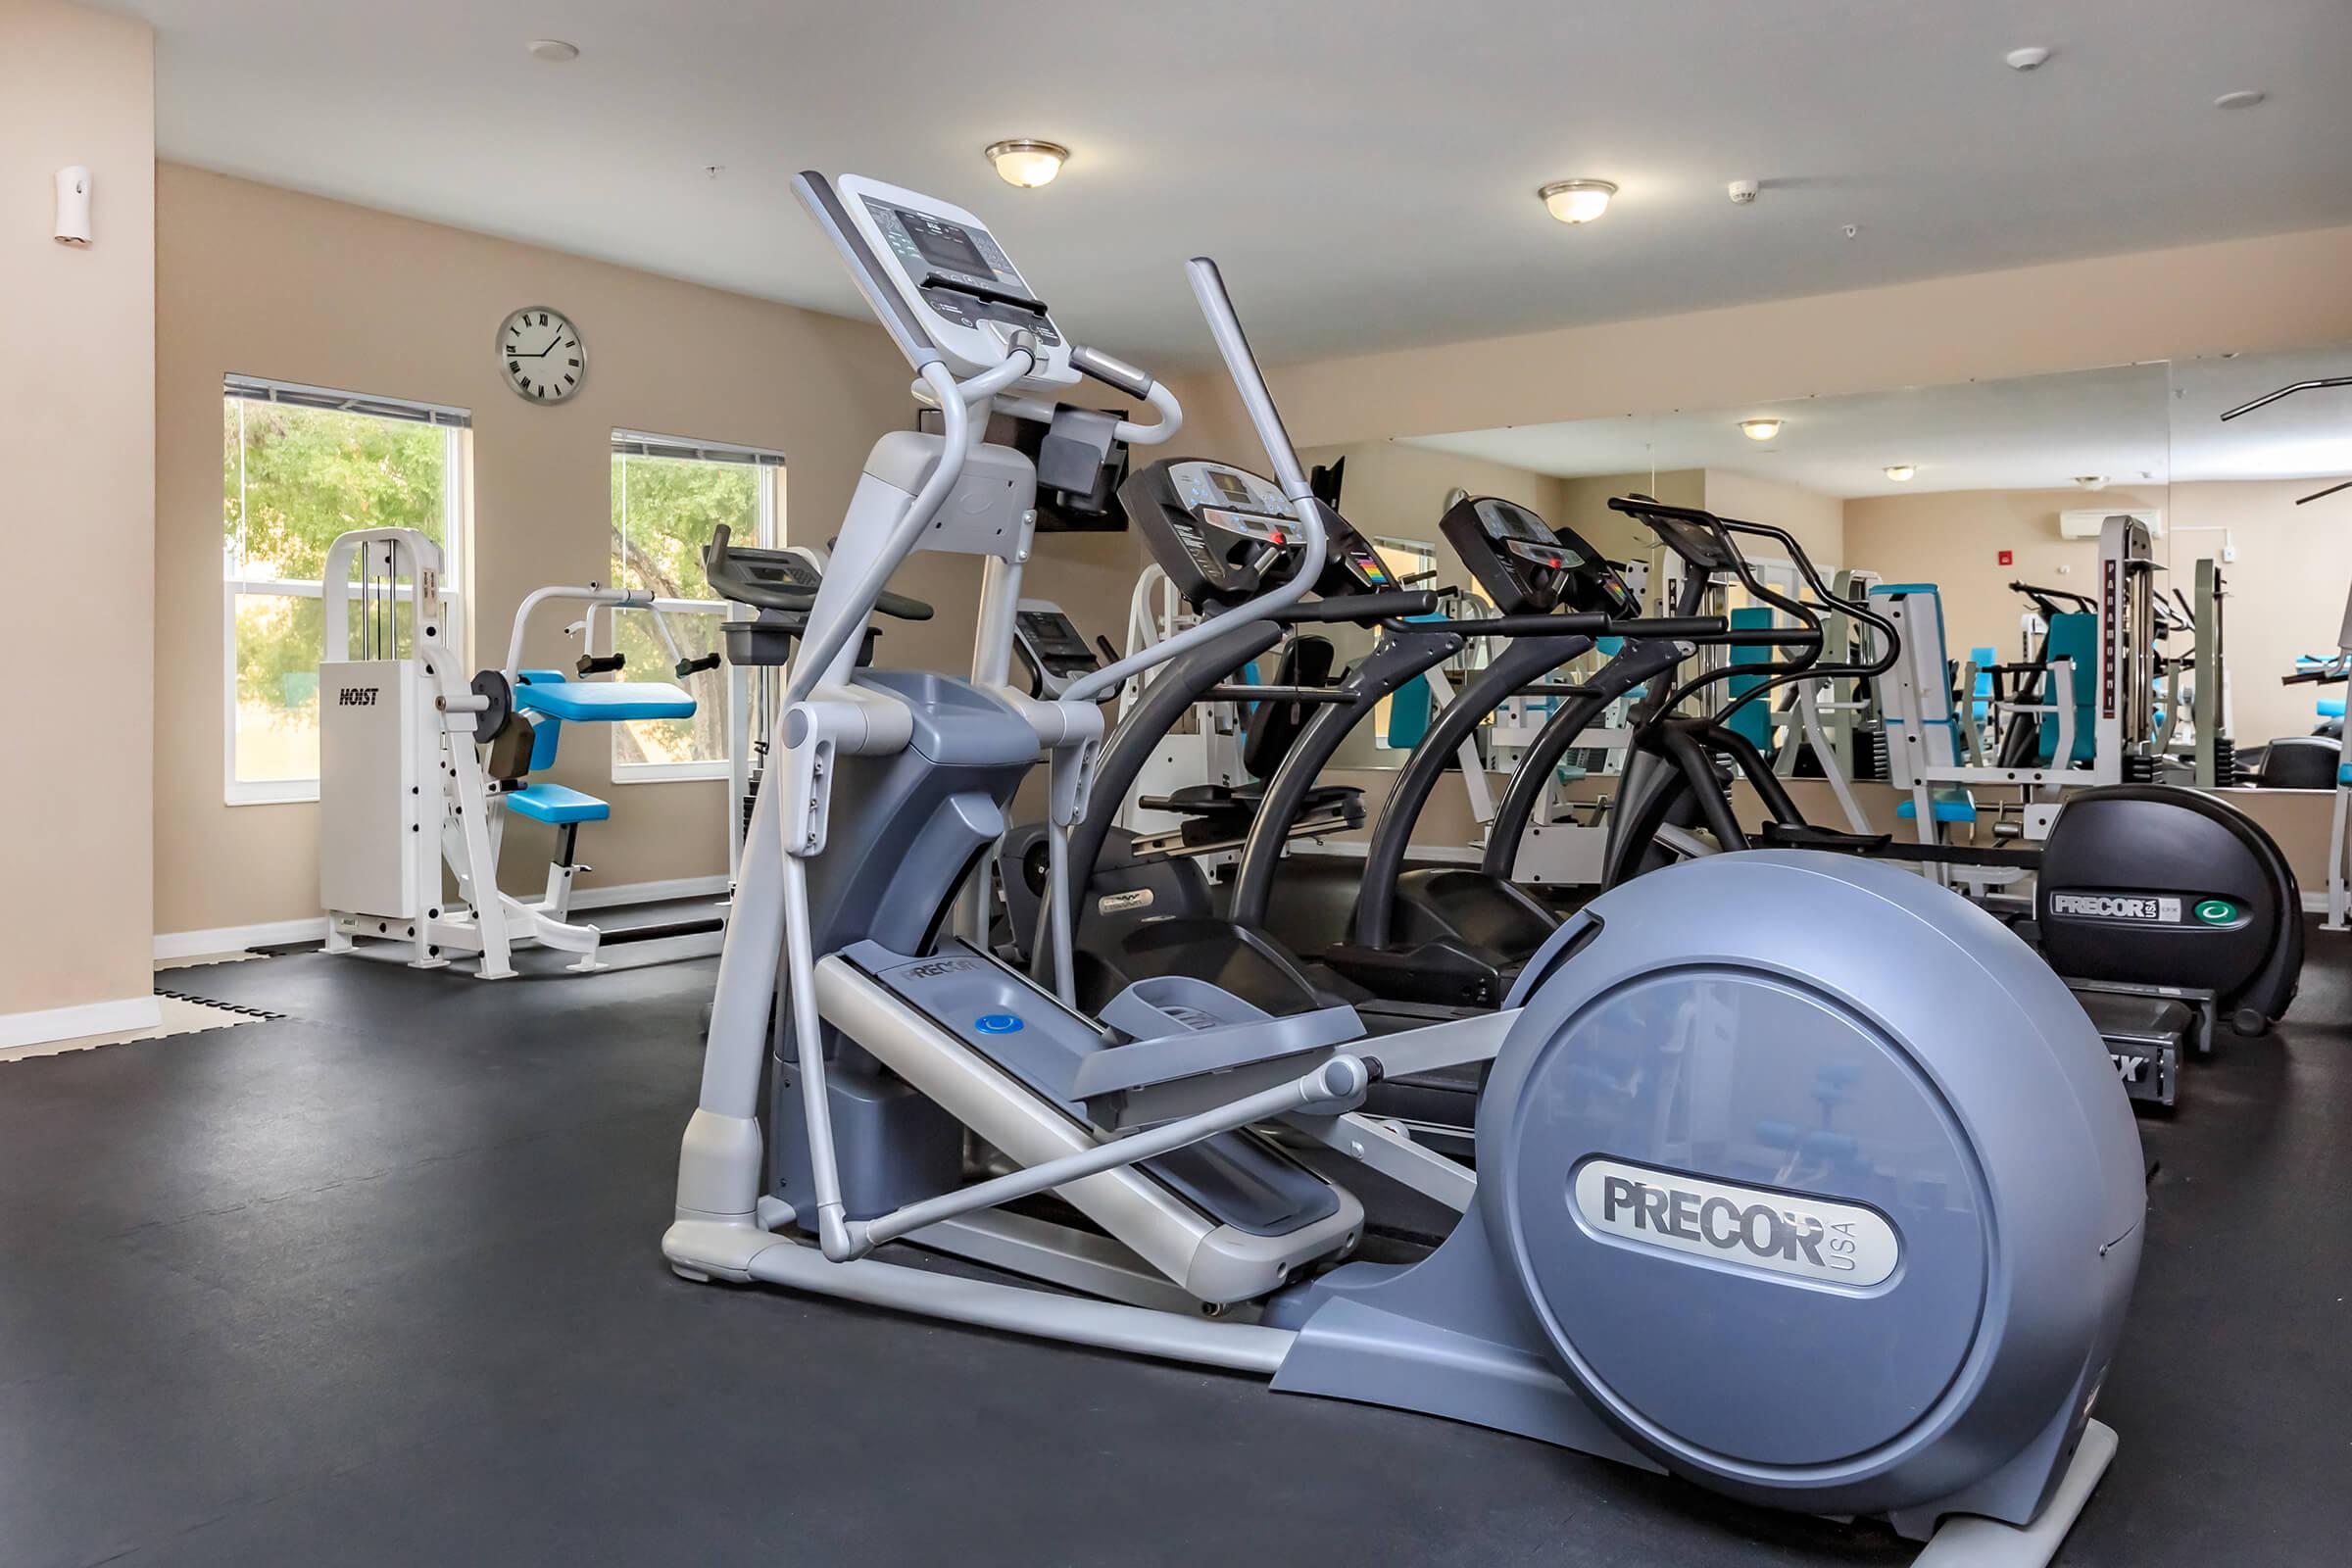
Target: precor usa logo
[2141,908]
[1119,902]
[1778,1233]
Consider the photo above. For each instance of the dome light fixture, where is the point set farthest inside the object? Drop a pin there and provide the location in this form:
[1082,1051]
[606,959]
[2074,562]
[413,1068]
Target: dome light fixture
[1026,163]
[1577,201]
[1760,429]
[555,51]
[1900,472]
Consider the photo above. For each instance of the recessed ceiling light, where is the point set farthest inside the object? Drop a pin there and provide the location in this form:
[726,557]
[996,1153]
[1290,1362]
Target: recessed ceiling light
[1577,201]
[2092,481]
[1025,163]
[2030,58]
[2243,98]
[1900,472]
[1760,429]
[555,51]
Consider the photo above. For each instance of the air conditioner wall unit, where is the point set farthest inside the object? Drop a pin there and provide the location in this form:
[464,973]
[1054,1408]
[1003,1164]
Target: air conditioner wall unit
[2084,522]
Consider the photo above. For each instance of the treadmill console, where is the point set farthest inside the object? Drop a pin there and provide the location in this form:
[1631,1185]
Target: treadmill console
[1222,533]
[1051,647]
[949,269]
[1527,567]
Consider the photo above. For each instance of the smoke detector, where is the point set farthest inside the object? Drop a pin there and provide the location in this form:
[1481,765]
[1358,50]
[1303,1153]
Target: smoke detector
[1744,191]
[2030,58]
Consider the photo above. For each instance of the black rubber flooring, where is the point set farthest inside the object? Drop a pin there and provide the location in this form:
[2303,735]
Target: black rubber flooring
[378,1283]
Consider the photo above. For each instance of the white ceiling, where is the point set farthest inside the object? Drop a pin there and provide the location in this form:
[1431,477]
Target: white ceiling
[2131,424]
[1365,169]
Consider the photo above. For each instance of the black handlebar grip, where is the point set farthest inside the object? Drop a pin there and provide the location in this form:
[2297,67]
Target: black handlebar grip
[599,664]
[1364,609]
[694,667]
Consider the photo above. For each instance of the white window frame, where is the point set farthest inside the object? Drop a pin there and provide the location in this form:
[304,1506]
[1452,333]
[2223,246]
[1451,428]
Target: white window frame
[456,553]
[638,443]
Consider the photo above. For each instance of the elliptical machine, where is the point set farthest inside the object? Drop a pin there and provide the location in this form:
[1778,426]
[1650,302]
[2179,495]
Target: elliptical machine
[1826,1109]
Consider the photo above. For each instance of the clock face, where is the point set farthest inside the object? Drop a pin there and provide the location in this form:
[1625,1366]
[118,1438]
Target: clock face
[541,355]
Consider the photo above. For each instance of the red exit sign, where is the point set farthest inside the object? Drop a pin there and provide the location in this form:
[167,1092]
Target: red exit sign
[2008,558]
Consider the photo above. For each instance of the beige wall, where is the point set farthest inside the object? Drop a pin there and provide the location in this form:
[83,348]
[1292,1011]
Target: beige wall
[1585,507]
[2285,591]
[1817,522]
[78,401]
[2247,296]
[264,281]
[1397,491]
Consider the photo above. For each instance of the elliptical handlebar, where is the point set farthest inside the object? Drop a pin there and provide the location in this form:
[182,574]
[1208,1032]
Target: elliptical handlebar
[1225,326]
[2288,390]
[1233,345]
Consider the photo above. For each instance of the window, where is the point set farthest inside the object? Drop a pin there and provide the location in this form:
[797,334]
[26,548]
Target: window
[301,466]
[668,498]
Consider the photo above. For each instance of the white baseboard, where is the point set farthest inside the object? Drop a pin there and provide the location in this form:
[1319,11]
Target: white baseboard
[120,1017]
[238,938]
[681,887]
[313,928]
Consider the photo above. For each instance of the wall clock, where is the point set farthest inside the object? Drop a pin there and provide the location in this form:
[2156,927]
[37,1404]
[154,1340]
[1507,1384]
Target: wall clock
[540,355]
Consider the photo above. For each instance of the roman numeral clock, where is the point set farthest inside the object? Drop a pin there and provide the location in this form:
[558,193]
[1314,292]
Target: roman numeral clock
[540,353]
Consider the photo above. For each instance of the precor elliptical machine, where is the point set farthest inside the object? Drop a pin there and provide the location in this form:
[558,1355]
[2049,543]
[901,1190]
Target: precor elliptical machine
[1798,1177]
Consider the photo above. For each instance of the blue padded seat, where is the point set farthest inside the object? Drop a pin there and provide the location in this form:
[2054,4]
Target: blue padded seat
[556,804]
[2343,774]
[2331,708]
[602,702]
[1945,805]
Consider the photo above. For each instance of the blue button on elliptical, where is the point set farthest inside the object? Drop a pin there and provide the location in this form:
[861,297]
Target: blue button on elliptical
[998,1023]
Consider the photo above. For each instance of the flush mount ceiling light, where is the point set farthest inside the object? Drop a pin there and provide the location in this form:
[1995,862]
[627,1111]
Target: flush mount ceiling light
[1025,163]
[555,51]
[1900,472]
[1760,429]
[2092,481]
[2243,98]
[2030,58]
[1577,201]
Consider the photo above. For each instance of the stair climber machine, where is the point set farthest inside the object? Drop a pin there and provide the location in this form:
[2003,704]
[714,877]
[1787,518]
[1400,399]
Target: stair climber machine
[1798,1177]
[1220,533]
[2162,906]
[1454,939]
[1457,936]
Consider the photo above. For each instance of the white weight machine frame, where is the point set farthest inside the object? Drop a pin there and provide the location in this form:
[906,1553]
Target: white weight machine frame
[402,788]
[1923,726]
